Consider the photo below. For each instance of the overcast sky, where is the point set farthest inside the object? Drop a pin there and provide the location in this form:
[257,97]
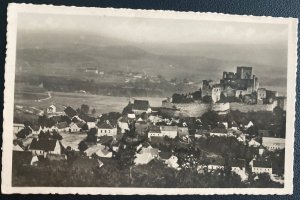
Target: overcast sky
[144,30]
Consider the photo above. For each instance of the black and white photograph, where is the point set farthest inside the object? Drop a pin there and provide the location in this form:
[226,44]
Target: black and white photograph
[120,101]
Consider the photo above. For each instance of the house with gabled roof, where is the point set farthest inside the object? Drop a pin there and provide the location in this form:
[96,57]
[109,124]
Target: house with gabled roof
[146,155]
[73,128]
[238,165]
[216,163]
[154,131]
[169,131]
[99,150]
[261,166]
[141,106]
[45,146]
[272,143]
[253,143]
[123,123]
[51,109]
[106,129]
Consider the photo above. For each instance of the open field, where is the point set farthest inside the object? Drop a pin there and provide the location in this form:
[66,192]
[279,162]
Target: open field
[102,104]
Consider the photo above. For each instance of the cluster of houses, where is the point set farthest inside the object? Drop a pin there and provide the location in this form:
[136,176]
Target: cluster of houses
[148,124]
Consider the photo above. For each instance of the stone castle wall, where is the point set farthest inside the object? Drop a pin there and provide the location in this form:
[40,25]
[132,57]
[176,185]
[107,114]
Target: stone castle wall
[198,109]
[193,109]
[253,108]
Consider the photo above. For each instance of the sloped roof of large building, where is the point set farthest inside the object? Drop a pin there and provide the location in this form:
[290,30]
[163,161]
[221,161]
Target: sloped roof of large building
[168,128]
[154,129]
[273,140]
[62,125]
[105,125]
[237,163]
[41,144]
[141,105]
[217,161]
[70,112]
[262,163]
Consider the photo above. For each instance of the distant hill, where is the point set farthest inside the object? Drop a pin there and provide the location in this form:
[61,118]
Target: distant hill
[47,52]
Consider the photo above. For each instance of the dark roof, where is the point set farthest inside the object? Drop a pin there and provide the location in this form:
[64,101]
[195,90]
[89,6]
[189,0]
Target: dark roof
[262,164]
[46,145]
[105,139]
[105,125]
[234,124]
[237,163]
[80,124]
[70,112]
[61,125]
[219,130]
[156,139]
[155,129]
[140,105]
[35,127]
[22,157]
[217,161]
[127,109]
[155,109]
[165,154]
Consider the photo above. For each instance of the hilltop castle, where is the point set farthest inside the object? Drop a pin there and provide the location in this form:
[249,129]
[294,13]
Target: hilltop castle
[241,85]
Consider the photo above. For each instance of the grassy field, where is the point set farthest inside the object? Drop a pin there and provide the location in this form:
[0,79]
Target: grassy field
[102,104]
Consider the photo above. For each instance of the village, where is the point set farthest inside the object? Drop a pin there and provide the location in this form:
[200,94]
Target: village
[220,141]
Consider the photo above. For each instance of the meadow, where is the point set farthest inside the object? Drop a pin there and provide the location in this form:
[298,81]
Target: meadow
[102,104]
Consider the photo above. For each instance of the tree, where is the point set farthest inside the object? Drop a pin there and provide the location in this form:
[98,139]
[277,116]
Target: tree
[252,131]
[91,135]
[85,127]
[210,119]
[197,95]
[94,111]
[24,132]
[82,146]
[56,136]
[207,99]
[84,108]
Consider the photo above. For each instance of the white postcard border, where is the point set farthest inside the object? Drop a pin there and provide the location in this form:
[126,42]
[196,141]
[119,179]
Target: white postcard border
[13,11]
